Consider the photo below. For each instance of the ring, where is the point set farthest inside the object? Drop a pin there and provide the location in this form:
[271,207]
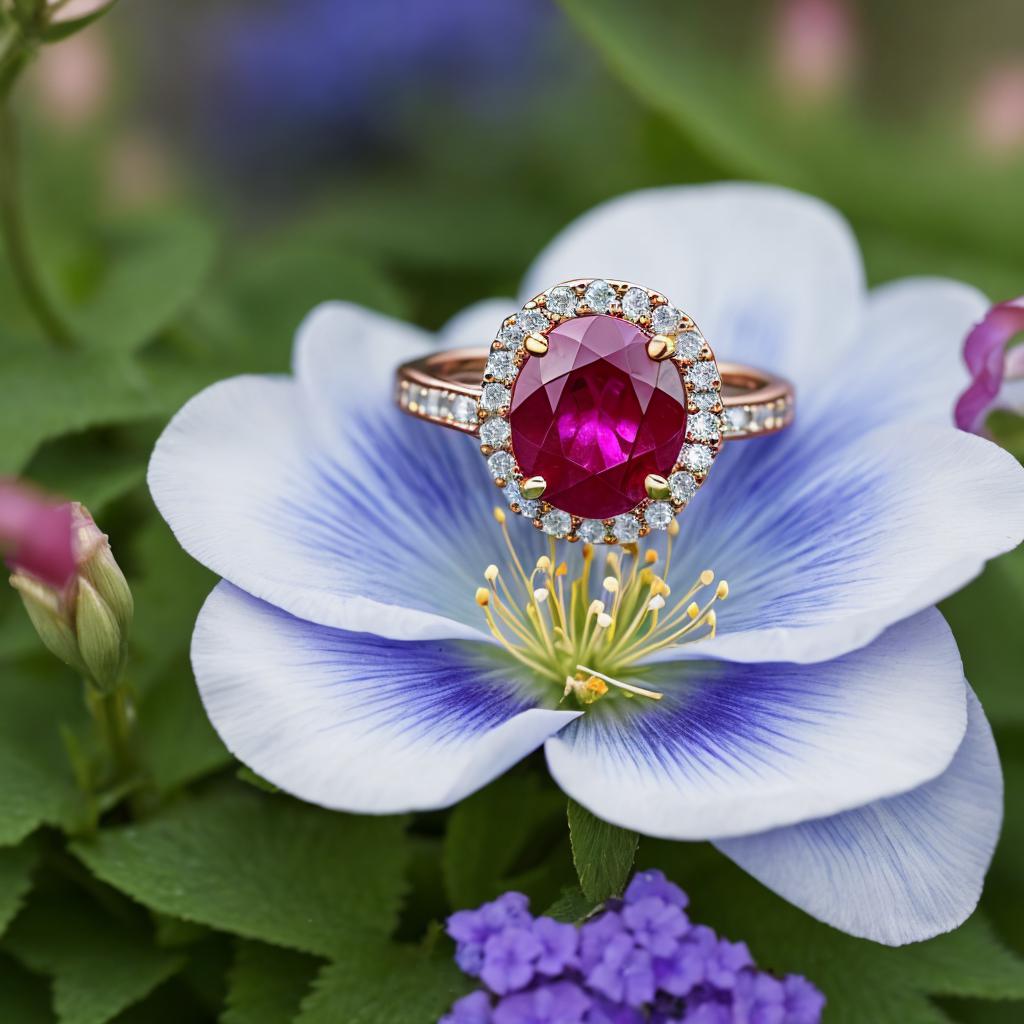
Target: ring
[600,408]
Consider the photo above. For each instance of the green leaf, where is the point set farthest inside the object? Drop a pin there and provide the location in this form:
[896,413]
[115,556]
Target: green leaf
[571,905]
[261,867]
[16,866]
[23,996]
[489,832]
[36,784]
[990,608]
[99,965]
[603,853]
[177,742]
[267,985]
[865,983]
[374,983]
[255,307]
[919,174]
[149,269]
[89,469]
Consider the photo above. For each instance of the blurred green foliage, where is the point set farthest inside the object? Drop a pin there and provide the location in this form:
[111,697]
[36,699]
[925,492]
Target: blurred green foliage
[206,896]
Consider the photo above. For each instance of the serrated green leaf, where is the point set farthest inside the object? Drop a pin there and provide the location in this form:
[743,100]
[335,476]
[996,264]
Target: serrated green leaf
[266,985]
[374,983]
[36,785]
[99,965]
[571,906]
[260,866]
[23,996]
[603,853]
[489,832]
[865,983]
[16,866]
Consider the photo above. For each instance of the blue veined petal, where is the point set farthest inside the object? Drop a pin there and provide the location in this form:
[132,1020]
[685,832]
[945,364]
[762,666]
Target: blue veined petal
[772,277]
[734,748]
[356,722]
[899,870]
[830,532]
[330,503]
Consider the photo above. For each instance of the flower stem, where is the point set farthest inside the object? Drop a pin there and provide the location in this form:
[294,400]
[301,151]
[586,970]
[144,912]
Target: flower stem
[114,717]
[15,236]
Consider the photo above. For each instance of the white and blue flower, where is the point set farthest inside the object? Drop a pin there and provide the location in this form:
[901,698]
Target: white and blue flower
[825,738]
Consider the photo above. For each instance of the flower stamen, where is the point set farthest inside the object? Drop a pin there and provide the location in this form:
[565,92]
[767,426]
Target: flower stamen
[584,642]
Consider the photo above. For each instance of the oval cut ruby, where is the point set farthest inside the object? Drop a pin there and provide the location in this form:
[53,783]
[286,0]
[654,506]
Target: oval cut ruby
[596,415]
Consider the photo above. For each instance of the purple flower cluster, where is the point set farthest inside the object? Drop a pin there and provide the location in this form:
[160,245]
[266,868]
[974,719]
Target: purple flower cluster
[641,961]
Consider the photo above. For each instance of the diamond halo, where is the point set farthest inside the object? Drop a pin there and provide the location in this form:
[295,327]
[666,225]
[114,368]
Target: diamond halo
[527,333]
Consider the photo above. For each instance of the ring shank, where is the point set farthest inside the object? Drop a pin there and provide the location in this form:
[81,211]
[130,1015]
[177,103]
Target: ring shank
[444,388]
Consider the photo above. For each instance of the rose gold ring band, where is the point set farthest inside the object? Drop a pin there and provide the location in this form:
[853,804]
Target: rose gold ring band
[444,388]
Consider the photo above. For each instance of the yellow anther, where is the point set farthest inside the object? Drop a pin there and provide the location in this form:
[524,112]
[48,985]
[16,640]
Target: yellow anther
[647,577]
[483,597]
[692,610]
[562,569]
[660,587]
[491,573]
[707,577]
[499,515]
[611,584]
[711,619]
[723,590]
[588,551]
[650,557]
[673,528]
[544,564]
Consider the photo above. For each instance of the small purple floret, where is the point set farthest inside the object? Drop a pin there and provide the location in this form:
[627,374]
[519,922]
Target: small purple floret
[639,961]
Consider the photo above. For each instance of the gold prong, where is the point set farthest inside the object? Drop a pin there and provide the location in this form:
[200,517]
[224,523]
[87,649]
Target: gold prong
[536,344]
[661,346]
[533,488]
[657,487]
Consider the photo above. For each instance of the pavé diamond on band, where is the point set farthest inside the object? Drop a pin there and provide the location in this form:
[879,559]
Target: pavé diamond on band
[599,406]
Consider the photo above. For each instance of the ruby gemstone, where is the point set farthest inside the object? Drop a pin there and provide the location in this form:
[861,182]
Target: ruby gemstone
[596,415]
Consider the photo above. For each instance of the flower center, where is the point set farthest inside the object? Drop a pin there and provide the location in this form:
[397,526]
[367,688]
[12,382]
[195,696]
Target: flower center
[584,634]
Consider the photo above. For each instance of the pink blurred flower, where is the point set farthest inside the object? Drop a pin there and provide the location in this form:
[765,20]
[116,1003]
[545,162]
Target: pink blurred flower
[992,365]
[815,43]
[73,80]
[36,533]
[998,112]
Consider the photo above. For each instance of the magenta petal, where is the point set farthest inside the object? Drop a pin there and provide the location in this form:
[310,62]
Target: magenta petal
[36,534]
[986,358]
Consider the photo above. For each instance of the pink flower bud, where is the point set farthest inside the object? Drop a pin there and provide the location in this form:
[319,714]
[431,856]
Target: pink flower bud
[36,534]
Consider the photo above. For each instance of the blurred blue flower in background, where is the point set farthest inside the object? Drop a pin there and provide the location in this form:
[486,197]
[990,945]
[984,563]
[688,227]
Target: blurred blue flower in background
[327,74]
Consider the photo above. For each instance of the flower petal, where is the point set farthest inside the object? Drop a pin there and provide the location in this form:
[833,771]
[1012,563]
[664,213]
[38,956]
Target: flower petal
[905,363]
[343,541]
[344,360]
[733,749]
[899,870]
[355,722]
[828,535]
[772,277]
[477,325]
